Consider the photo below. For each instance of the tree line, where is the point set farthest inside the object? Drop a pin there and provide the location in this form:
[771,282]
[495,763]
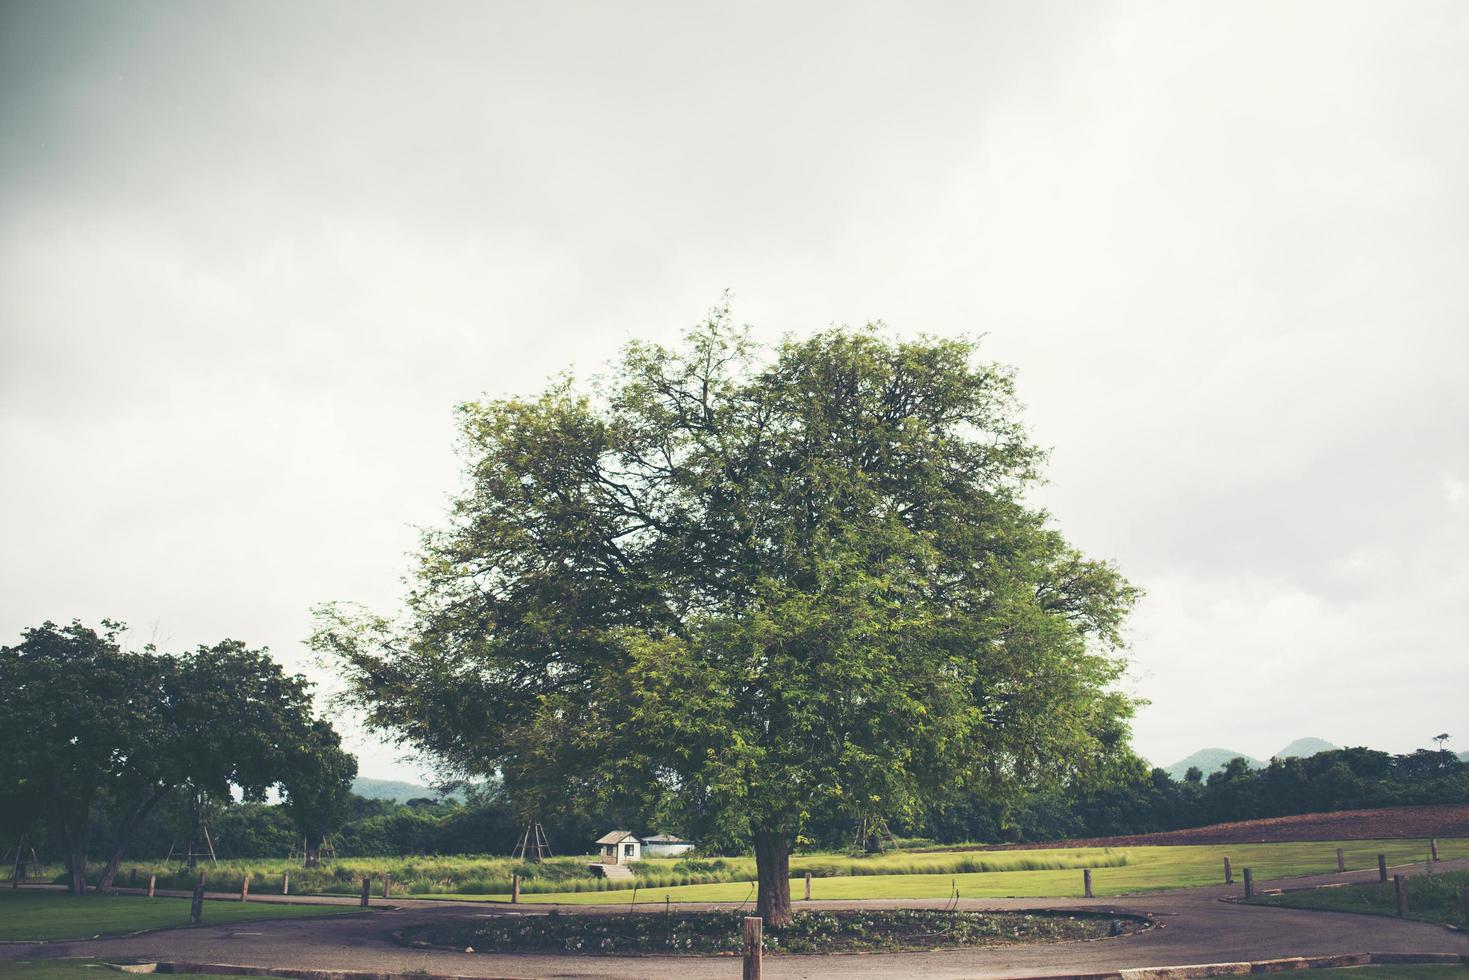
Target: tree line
[97,738]
[482,819]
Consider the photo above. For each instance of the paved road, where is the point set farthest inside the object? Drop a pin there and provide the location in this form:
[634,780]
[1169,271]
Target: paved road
[1195,927]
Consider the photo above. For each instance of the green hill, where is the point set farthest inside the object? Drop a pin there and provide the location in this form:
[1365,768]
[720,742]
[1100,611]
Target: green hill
[391,789]
[1304,748]
[1209,760]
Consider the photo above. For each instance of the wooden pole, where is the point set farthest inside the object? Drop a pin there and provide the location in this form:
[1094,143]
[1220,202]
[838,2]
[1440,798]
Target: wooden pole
[286,883]
[1433,849]
[1382,867]
[1401,893]
[1249,883]
[366,890]
[387,885]
[1228,873]
[1086,881]
[808,886]
[245,889]
[133,878]
[196,910]
[152,881]
[1341,861]
[515,889]
[753,924]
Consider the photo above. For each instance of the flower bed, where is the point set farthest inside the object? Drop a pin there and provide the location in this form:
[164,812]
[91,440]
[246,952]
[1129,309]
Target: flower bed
[714,933]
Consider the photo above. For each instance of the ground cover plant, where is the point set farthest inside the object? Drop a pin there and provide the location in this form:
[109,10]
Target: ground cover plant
[53,915]
[705,933]
[1431,898]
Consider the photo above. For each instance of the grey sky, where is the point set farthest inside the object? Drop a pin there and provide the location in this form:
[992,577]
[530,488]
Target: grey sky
[251,254]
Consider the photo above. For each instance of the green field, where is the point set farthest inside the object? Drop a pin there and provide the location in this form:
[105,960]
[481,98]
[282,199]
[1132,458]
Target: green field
[54,915]
[472,875]
[1117,871]
[1431,898]
[898,874]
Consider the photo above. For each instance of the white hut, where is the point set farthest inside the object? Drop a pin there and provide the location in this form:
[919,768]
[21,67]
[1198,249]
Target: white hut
[666,845]
[621,847]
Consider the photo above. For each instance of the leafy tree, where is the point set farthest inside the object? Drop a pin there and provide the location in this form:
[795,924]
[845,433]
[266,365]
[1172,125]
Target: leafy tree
[766,590]
[80,725]
[231,715]
[316,782]
[97,736]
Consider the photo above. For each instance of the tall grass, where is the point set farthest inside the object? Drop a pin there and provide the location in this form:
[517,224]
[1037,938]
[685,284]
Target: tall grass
[487,875]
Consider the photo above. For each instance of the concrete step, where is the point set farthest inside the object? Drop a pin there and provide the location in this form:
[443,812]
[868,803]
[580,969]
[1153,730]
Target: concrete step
[620,872]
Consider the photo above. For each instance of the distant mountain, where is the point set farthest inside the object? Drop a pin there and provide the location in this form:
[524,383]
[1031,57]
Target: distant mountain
[390,789]
[1209,760]
[1304,748]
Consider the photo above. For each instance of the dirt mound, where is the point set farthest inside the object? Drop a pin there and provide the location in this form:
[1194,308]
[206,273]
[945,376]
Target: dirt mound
[1395,822]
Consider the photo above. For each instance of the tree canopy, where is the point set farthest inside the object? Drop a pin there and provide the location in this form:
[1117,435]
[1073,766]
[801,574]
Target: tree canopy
[750,587]
[97,735]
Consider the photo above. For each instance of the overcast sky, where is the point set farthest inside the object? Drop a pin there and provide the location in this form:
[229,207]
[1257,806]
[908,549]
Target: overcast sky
[251,255]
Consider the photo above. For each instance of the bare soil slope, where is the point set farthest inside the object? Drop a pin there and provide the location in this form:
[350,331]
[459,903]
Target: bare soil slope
[1395,822]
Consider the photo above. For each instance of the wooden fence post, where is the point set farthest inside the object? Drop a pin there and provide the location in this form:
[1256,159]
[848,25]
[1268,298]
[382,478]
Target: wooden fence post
[808,886]
[1086,881]
[1382,867]
[1249,883]
[1433,849]
[515,889]
[245,889]
[286,883]
[1228,873]
[196,910]
[387,885]
[366,890]
[753,925]
[133,878]
[152,881]
[1341,861]
[1401,893]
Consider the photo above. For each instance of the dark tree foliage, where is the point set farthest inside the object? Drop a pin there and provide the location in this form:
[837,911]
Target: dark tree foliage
[1149,802]
[754,593]
[96,737]
[316,781]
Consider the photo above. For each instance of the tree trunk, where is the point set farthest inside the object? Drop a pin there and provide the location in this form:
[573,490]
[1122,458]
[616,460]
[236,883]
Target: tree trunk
[76,861]
[124,837]
[773,877]
[313,853]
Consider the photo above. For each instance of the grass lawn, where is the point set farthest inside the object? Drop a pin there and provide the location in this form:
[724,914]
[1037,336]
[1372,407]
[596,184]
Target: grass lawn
[54,915]
[1431,898]
[1116,871]
[85,970]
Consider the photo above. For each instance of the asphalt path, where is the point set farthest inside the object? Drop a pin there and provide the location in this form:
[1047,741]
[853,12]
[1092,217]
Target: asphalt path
[1195,925]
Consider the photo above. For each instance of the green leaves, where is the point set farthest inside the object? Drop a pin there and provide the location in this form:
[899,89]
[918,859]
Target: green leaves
[750,587]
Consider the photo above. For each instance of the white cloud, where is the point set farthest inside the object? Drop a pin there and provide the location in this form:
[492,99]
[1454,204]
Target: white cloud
[248,264]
